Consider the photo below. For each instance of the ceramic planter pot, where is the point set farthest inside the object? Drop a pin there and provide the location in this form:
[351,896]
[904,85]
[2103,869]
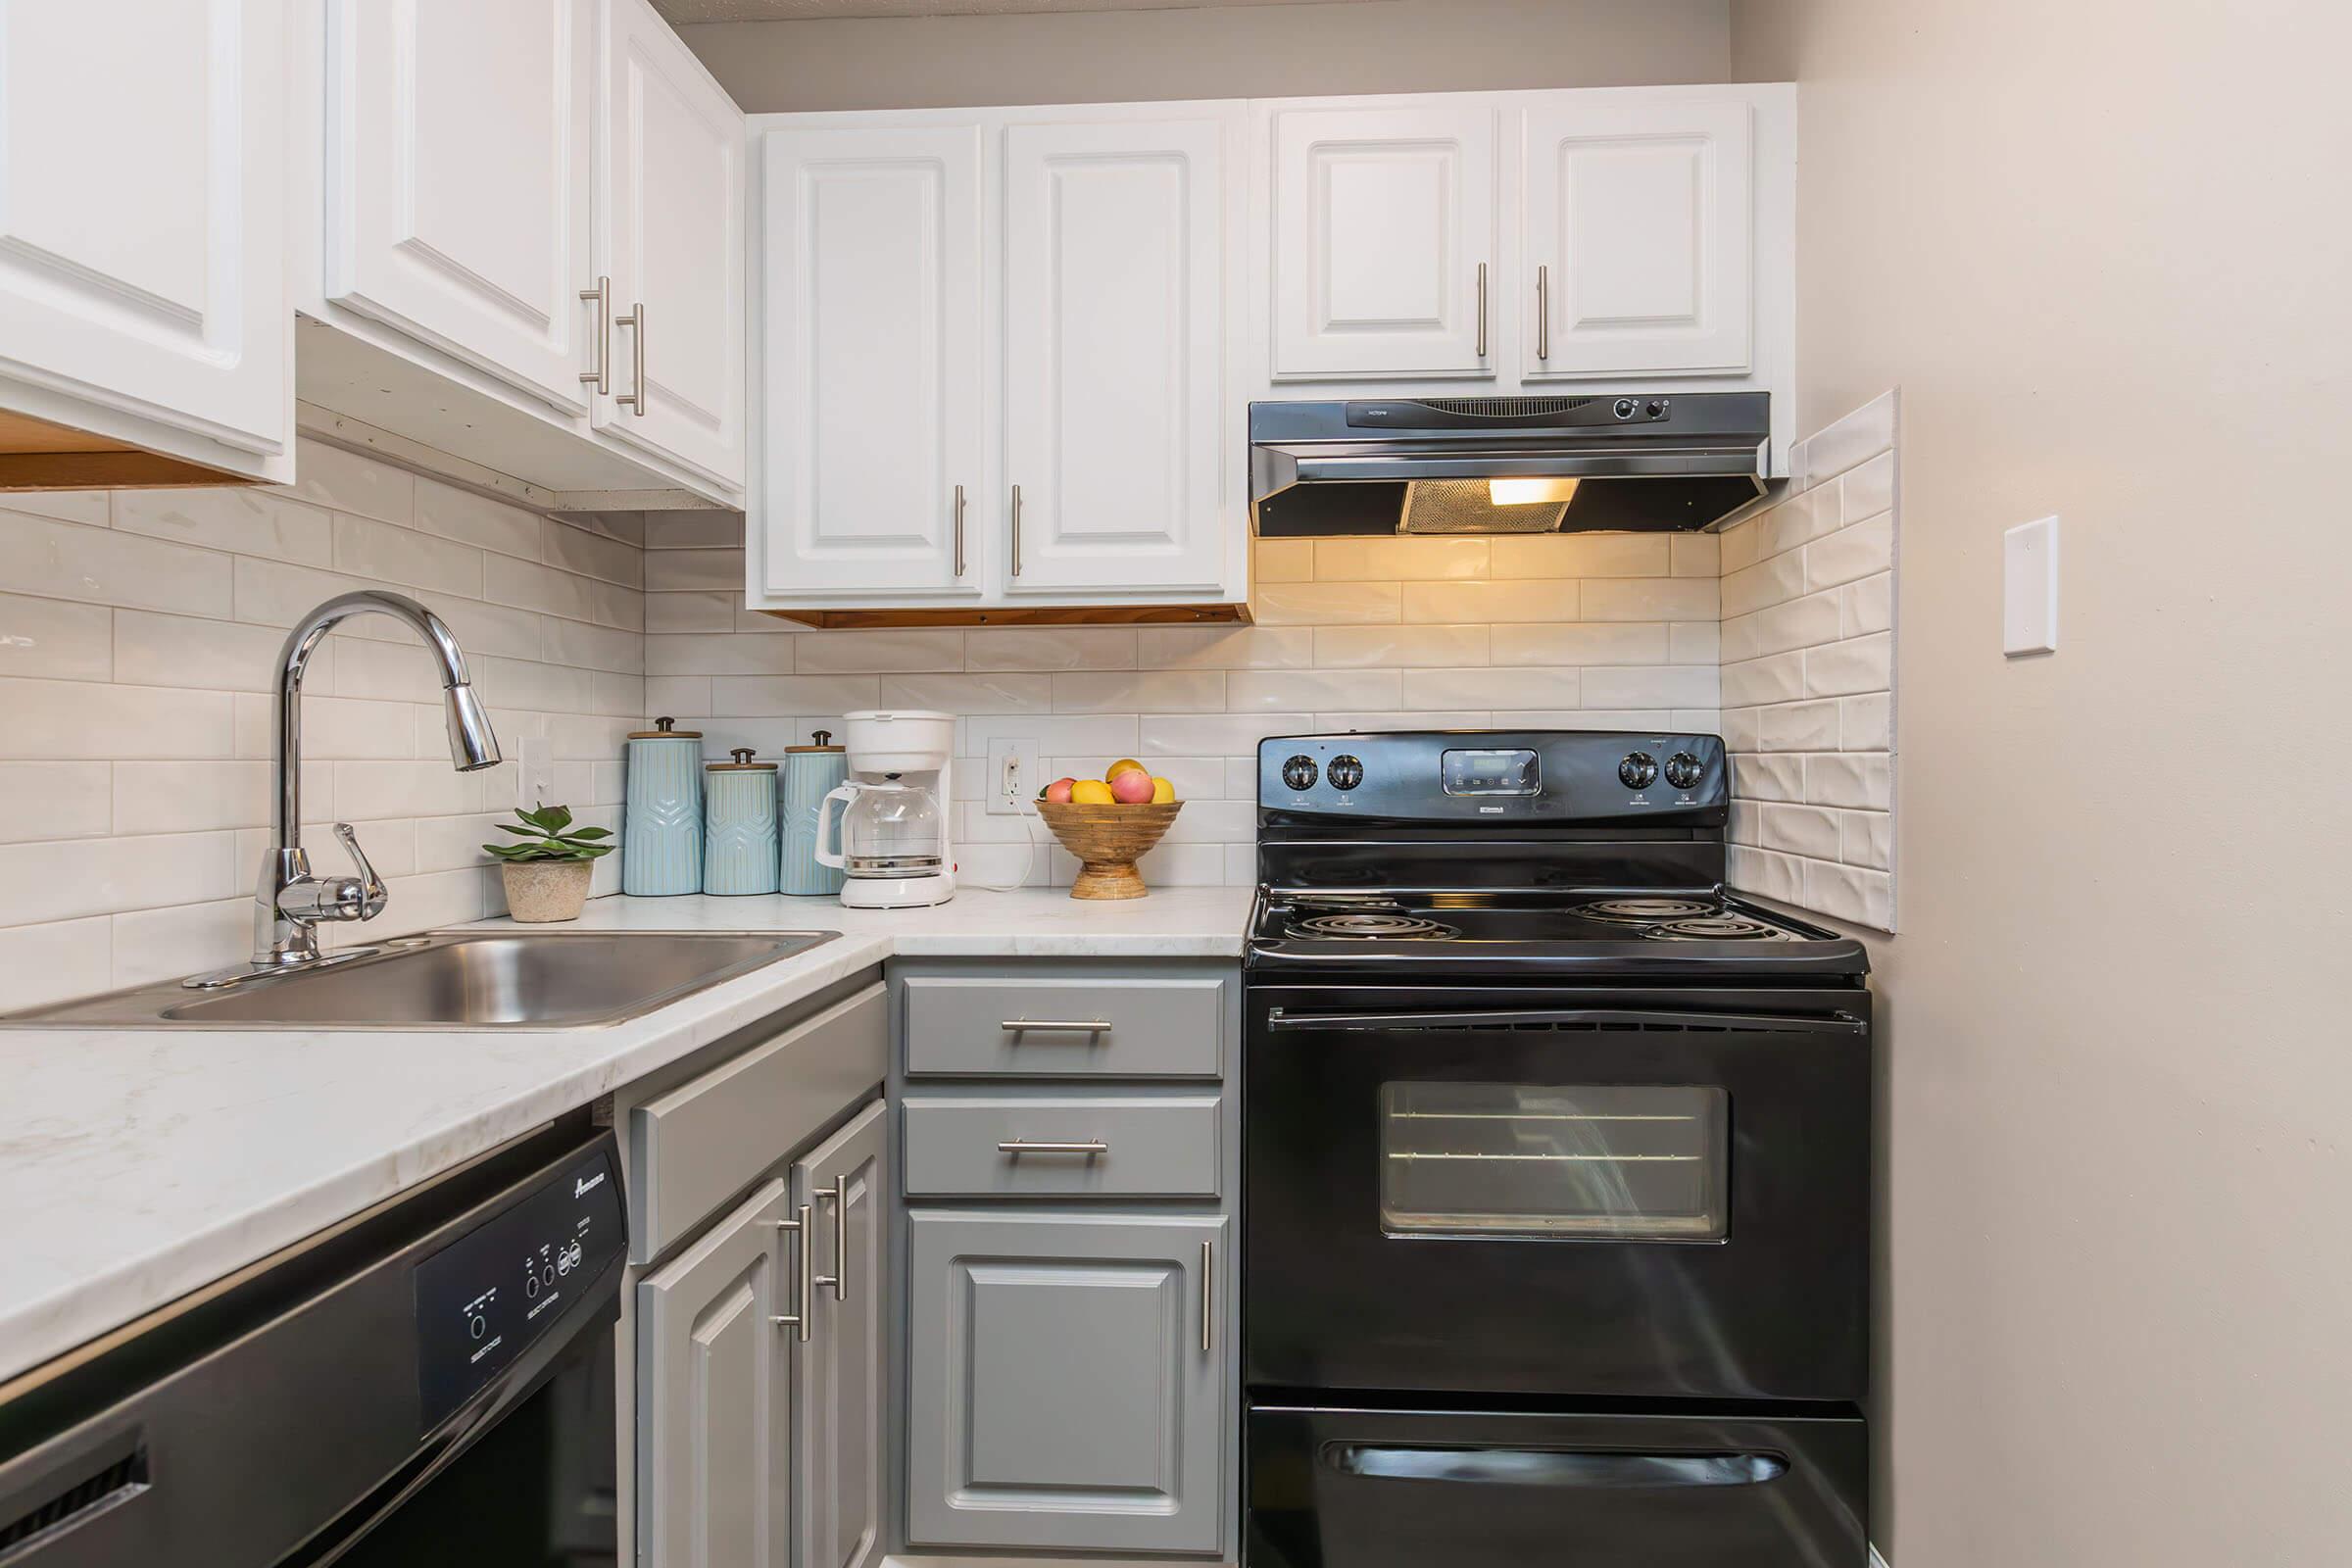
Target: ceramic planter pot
[546,890]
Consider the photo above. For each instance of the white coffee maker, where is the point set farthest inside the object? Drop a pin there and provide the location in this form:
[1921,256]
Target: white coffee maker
[887,826]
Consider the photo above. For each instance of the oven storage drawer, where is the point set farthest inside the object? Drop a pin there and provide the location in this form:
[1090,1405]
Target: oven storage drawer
[1053,1027]
[1063,1146]
[1387,1488]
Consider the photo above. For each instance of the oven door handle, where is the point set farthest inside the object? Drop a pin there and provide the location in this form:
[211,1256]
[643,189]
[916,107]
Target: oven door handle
[1553,1467]
[1623,1017]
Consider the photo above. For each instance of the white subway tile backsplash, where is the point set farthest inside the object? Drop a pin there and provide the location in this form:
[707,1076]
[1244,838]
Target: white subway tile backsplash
[1051,647]
[1780,678]
[1148,690]
[1531,600]
[1283,560]
[1854,439]
[1231,647]
[472,519]
[67,879]
[1584,555]
[54,639]
[1866,838]
[1806,830]
[704,612]
[1400,559]
[1696,554]
[1307,690]
[1866,723]
[693,530]
[92,507]
[1624,643]
[388,553]
[1398,646]
[1654,686]
[867,653]
[58,961]
[1862,779]
[1519,686]
[52,559]
[1008,692]
[342,480]
[1857,550]
[1867,606]
[588,554]
[247,522]
[1194,735]
[73,720]
[1327,603]
[1653,599]
[1798,727]
[692,571]
[1768,776]
[1868,489]
[1696,642]
[740,653]
[53,800]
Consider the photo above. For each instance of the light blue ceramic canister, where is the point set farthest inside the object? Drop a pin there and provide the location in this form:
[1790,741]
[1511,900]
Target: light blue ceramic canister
[810,772]
[662,836]
[739,825]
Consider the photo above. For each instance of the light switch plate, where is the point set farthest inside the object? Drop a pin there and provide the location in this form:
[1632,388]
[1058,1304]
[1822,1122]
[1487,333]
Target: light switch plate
[535,774]
[2030,588]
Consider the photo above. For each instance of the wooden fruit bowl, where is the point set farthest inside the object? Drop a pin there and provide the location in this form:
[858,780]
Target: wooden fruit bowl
[1107,838]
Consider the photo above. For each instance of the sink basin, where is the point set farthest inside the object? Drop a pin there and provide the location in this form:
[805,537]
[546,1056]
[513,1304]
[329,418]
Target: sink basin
[455,980]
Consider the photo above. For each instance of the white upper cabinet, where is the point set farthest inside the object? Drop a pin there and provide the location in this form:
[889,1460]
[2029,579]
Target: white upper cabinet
[1637,250]
[460,181]
[871,477]
[672,241]
[1385,241]
[1114,310]
[142,199]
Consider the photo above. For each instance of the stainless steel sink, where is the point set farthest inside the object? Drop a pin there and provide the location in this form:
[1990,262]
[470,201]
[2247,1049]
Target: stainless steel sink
[454,980]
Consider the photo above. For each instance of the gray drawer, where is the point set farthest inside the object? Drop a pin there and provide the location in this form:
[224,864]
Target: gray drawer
[1161,1147]
[701,1143]
[1135,1028]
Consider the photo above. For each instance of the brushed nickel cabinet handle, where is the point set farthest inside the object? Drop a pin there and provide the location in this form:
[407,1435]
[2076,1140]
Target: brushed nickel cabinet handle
[600,377]
[1017,530]
[839,1279]
[634,400]
[959,530]
[1024,1145]
[1482,309]
[1084,1026]
[797,1321]
[1208,1296]
[1544,313]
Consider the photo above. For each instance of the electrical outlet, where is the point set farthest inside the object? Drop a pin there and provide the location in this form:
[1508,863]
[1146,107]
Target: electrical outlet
[535,773]
[1010,787]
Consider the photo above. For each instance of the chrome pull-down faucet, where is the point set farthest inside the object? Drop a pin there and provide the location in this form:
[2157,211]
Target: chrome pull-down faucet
[289,901]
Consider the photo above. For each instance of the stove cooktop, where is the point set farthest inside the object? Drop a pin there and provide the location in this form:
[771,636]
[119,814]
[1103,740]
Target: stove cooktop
[1425,928]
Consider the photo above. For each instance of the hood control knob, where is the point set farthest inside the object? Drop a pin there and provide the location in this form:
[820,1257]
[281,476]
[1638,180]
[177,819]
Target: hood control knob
[1638,771]
[1683,770]
[1299,772]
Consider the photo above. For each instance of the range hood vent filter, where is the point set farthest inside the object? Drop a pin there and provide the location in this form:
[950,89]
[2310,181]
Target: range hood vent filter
[1467,506]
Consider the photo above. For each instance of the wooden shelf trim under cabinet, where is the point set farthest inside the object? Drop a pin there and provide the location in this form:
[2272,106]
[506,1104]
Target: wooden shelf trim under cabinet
[38,455]
[1023,615]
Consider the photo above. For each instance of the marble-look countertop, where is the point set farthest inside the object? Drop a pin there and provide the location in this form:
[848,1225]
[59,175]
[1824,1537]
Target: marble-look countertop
[137,1164]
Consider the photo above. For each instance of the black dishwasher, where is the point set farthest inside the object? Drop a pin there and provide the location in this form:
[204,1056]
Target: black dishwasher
[429,1382]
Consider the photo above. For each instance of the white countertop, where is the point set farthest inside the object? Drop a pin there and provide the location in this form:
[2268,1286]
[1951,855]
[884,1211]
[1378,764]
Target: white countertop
[138,1165]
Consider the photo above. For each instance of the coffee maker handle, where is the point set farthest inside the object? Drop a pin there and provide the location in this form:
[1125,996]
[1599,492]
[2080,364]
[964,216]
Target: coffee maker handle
[825,814]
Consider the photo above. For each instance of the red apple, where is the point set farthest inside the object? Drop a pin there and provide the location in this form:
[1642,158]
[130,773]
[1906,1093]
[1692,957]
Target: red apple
[1133,788]
[1058,791]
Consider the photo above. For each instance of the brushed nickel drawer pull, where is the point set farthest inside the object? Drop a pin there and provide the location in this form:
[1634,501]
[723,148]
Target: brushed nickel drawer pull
[1017,530]
[1024,1145]
[1544,313]
[600,377]
[959,530]
[1482,309]
[1208,1296]
[1083,1026]
[839,1281]
[798,1321]
[634,400]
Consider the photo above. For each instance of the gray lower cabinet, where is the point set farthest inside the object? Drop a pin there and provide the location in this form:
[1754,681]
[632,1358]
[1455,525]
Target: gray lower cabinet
[838,1393]
[714,1435]
[1065,1381]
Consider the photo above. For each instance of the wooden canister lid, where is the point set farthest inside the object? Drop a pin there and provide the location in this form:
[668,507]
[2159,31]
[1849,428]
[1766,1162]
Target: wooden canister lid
[743,763]
[661,731]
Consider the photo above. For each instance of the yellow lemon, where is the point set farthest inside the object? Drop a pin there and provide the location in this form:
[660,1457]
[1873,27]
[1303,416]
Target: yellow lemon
[1091,792]
[1163,793]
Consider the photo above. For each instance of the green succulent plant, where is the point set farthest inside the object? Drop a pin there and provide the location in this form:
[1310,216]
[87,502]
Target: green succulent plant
[549,835]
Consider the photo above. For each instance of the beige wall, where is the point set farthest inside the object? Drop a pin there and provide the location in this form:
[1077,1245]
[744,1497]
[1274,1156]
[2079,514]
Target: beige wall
[2103,251]
[1215,52]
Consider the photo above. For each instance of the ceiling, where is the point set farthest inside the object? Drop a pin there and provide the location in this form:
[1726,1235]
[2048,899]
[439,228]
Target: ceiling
[815,10]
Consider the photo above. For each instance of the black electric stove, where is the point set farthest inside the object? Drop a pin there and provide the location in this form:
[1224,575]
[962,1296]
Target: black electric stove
[1555,1167]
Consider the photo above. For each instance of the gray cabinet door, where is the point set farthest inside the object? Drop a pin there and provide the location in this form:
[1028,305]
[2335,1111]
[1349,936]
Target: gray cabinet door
[1065,1390]
[838,1414]
[715,1448]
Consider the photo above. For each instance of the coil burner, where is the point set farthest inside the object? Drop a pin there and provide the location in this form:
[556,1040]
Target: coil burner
[1371,926]
[1641,911]
[1720,928]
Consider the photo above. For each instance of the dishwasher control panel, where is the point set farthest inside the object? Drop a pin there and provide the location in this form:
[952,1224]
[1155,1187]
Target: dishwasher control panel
[486,1296]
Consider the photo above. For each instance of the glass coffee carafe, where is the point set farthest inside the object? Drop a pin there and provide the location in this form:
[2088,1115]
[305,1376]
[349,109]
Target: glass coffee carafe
[887,828]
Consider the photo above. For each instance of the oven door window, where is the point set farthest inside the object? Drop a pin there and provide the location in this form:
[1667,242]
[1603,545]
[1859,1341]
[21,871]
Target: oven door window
[1599,1162]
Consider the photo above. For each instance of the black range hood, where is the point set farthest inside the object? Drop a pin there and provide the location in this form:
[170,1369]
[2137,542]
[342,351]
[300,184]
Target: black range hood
[1640,463]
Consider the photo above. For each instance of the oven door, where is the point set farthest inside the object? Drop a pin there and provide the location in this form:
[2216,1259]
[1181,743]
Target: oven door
[1384,1488]
[1554,1190]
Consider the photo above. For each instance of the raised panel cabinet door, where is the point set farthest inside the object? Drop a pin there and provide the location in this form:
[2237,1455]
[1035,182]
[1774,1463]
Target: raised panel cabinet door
[673,238]
[713,1396]
[870,283]
[838,1421]
[459,179]
[1641,224]
[1065,1390]
[143,210]
[1116,246]
[1385,249]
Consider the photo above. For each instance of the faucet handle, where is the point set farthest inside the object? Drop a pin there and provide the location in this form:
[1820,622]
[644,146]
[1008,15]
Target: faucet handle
[372,894]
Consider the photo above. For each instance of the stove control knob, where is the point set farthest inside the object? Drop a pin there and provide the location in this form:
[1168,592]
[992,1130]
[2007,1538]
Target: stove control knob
[1299,772]
[1638,771]
[1346,773]
[1683,770]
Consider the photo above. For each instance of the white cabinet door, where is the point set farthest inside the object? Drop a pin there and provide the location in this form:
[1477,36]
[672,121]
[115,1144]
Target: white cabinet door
[713,1427]
[1640,231]
[459,179]
[142,207]
[875,403]
[1116,239]
[1385,243]
[673,243]
[838,1409]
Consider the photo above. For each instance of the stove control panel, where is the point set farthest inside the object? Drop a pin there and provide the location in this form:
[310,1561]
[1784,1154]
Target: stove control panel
[482,1299]
[1506,778]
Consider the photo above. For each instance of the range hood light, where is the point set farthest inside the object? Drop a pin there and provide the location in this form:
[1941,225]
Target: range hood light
[1530,492]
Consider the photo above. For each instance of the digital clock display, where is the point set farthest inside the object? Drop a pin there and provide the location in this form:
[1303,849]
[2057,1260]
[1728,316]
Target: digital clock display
[1491,772]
